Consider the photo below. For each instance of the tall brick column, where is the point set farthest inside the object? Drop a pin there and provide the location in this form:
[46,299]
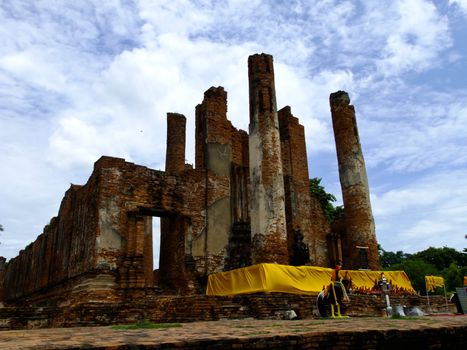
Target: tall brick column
[297,192]
[267,209]
[172,272]
[360,237]
[175,153]
[148,252]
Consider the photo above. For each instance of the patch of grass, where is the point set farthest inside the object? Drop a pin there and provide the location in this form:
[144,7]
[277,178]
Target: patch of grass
[146,325]
[245,326]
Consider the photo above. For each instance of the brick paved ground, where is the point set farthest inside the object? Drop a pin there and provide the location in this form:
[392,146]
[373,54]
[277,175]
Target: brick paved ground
[230,334]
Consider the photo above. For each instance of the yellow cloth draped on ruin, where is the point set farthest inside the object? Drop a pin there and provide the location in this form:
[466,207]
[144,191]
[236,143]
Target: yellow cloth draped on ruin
[433,282]
[295,280]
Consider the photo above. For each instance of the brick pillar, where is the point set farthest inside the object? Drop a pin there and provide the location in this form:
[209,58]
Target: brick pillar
[360,237]
[175,153]
[172,250]
[267,209]
[133,273]
[172,271]
[297,192]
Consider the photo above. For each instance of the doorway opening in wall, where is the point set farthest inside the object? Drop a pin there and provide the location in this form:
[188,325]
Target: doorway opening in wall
[160,266]
[363,257]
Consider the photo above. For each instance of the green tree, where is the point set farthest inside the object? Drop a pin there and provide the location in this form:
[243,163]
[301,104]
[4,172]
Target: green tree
[454,276]
[446,262]
[325,199]
[442,257]
[416,270]
[388,259]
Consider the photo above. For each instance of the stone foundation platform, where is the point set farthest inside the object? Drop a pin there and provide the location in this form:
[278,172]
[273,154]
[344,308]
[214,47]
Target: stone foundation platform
[160,308]
[355,333]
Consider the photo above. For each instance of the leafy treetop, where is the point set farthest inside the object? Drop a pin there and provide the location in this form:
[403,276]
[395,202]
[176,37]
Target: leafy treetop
[325,199]
[446,262]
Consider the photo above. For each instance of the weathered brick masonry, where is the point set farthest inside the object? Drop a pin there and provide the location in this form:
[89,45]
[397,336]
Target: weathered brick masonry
[359,239]
[246,201]
[303,212]
[267,198]
[170,308]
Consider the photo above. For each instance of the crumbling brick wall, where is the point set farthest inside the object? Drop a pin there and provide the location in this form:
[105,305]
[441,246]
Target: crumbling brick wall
[214,134]
[63,251]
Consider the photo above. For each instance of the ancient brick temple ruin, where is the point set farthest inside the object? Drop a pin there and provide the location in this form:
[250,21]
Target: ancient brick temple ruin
[246,201]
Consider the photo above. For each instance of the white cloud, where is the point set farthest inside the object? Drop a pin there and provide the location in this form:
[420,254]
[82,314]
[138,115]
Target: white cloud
[121,118]
[83,79]
[419,134]
[31,189]
[32,67]
[462,4]
[417,34]
[309,98]
[427,212]
[110,117]
[179,16]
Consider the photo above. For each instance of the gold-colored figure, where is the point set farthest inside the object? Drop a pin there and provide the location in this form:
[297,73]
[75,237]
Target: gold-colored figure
[335,293]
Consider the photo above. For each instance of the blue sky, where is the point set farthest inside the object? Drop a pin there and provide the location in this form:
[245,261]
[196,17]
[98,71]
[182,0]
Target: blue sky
[83,79]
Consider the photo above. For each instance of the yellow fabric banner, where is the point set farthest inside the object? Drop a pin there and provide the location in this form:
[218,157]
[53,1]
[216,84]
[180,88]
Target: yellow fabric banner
[366,282]
[297,280]
[432,282]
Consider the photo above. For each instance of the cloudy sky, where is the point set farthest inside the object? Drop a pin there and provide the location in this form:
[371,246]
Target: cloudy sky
[81,79]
